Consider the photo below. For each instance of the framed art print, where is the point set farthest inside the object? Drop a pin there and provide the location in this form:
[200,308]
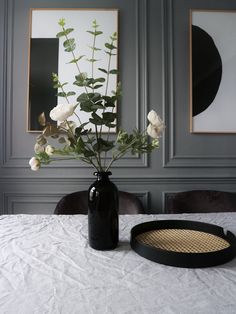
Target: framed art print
[47,55]
[212,71]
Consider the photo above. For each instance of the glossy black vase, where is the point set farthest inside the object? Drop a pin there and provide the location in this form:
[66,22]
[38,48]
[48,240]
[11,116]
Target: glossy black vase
[103,204]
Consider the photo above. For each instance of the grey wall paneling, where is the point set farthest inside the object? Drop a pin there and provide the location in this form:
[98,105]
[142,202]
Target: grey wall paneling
[154,54]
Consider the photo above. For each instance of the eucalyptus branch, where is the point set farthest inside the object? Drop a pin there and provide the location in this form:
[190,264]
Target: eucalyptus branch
[74,58]
[81,143]
[120,154]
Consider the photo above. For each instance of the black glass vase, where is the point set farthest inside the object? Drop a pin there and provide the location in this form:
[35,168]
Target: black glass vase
[103,203]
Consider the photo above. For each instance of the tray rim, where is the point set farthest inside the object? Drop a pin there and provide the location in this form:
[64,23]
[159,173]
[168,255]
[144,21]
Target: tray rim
[183,259]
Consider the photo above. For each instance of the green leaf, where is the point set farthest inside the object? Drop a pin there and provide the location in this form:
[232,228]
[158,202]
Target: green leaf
[76,59]
[111,116]
[113,71]
[79,130]
[92,60]
[69,45]
[82,97]
[56,86]
[60,34]
[113,37]
[109,101]
[94,48]
[91,32]
[110,46]
[80,146]
[95,33]
[108,117]
[61,22]
[96,116]
[61,94]
[86,106]
[99,79]
[70,94]
[103,70]
[97,106]
[103,145]
[88,153]
[96,86]
[81,79]
[96,119]
[68,31]
[98,33]
[82,76]
[110,125]
[110,54]
[95,97]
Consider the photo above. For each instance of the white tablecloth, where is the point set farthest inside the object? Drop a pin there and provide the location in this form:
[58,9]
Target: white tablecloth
[46,266]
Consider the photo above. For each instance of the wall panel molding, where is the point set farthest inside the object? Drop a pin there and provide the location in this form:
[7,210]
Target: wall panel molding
[10,160]
[124,180]
[36,202]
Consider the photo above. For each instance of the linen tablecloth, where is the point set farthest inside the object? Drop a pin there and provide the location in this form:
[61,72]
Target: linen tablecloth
[47,266]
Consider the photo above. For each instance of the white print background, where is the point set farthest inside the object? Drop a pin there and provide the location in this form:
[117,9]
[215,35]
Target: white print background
[220,116]
[45,25]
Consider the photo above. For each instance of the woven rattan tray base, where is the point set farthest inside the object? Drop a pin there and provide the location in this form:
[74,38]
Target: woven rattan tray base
[183,243]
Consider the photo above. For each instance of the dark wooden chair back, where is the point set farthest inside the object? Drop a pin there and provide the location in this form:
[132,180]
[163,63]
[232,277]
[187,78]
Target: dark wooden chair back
[77,203]
[201,201]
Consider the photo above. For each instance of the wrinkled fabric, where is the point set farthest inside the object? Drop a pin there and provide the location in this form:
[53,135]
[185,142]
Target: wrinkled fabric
[46,266]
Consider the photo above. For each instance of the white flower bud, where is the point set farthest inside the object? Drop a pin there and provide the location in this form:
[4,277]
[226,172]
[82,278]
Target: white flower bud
[61,112]
[153,131]
[38,148]
[49,150]
[34,164]
[155,120]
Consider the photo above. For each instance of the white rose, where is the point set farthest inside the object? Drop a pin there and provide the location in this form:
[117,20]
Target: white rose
[49,150]
[155,120]
[38,148]
[153,131]
[61,112]
[34,164]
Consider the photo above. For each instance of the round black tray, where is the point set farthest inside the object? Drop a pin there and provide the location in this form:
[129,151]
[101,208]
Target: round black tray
[183,259]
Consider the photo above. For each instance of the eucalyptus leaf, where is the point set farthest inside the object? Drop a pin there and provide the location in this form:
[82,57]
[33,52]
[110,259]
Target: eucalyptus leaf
[60,34]
[61,94]
[96,86]
[113,71]
[102,70]
[110,46]
[109,116]
[70,94]
[82,97]
[76,59]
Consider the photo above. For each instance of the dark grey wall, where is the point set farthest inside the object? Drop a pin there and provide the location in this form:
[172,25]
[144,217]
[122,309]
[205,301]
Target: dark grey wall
[154,65]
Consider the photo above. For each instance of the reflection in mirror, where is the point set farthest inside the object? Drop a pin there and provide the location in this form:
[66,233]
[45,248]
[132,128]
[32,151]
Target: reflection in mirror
[47,55]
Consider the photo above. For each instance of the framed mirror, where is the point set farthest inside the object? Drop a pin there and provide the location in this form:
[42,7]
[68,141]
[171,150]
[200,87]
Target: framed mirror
[47,55]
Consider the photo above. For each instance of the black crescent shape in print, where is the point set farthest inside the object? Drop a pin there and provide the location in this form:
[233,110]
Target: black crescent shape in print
[206,70]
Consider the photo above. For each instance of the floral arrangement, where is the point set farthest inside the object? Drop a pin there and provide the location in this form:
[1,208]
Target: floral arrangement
[78,141]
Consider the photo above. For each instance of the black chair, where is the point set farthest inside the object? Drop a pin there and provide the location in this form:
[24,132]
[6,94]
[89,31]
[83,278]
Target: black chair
[201,201]
[77,203]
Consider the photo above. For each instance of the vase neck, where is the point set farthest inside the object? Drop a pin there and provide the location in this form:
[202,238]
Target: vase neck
[102,175]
